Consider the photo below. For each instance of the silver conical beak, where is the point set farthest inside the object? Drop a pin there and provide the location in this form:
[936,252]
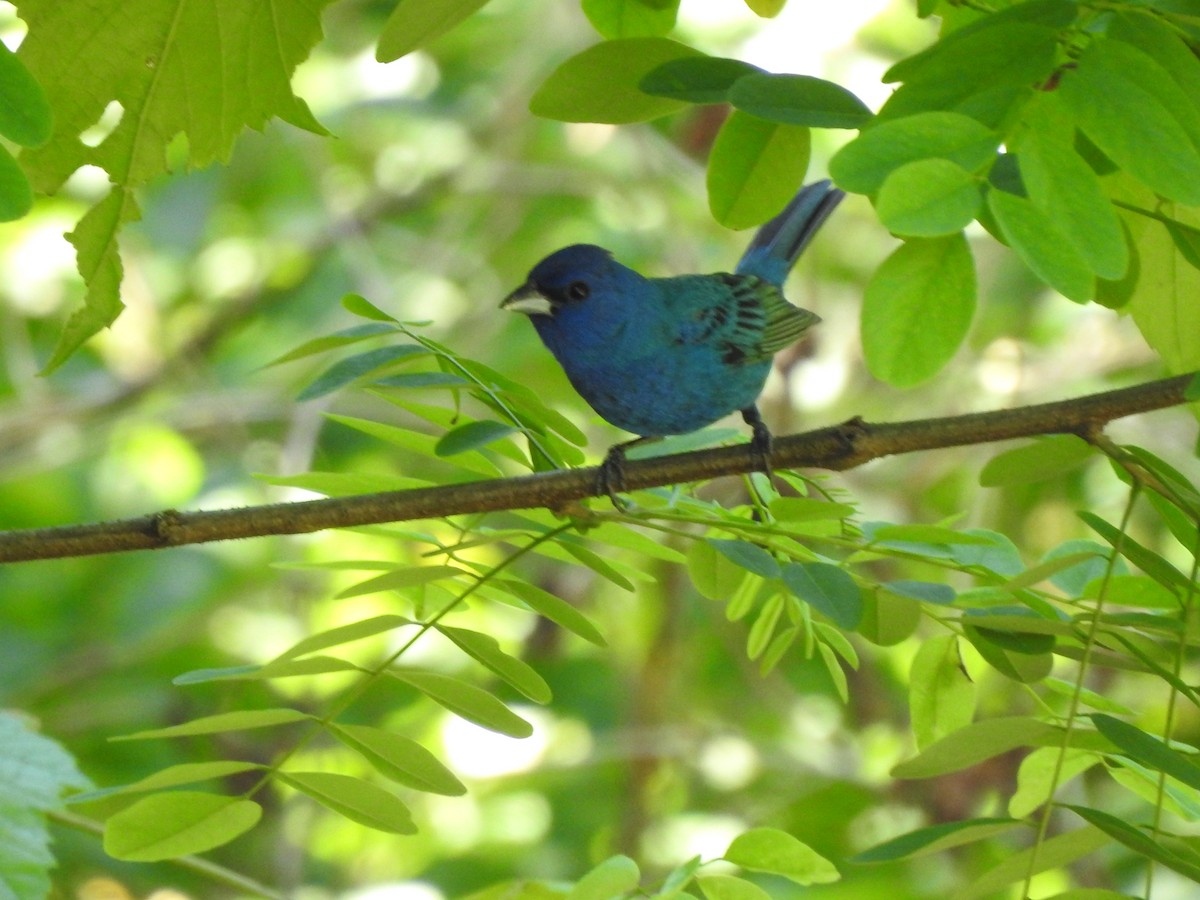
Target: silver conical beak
[529,300]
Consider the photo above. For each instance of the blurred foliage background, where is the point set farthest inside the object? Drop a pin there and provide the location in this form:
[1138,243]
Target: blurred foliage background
[435,195]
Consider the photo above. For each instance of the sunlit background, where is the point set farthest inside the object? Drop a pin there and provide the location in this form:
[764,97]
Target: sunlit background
[435,195]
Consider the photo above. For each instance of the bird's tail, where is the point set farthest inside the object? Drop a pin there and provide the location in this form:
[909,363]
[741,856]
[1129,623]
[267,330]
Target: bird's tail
[779,243]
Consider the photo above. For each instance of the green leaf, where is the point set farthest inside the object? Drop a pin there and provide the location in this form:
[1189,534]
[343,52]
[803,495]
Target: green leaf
[401,579]
[179,823]
[343,634]
[341,338]
[415,23]
[400,759]
[1147,749]
[471,436]
[173,776]
[925,591]
[173,70]
[928,198]
[714,575]
[863,164]
[1041,244]
[98,260]
[766,9]
[981,71]
[1013,656]
[1137,840]
[465,700]
[557,610]
[728,887]
[936,838]
[16,196]
[600,84]
[34,770]
[759,636]
[614,877]
[358,305]
[887,619]
[357,800]
[313,665]
[1044,772]
[485,650]
[941,696]
[983,740]
[777,852]
[807,509]
[631,18]
[1053,853]
[352,368]
[25,114]
[749,556]
[1061,184]
[827,589]
[1044,459]
[1145,559]
[239,720]
[754,168]
[1128,105]
[836,673]
[798,100]
[696,79]
[917,309]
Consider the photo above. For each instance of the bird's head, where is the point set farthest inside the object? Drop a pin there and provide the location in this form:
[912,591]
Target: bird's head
[564,279]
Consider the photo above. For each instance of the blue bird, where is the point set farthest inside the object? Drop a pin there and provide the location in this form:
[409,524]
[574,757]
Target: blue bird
[661,356]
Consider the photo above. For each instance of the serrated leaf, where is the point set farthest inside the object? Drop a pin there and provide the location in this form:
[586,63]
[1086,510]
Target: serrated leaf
[755,167]
[465,700]
[696,79]
[239,720]
[357,800]
[863,164]
[415,23]
[486,650]
[928,198]
[178,823]
[827,589]
[614,877]
[798,100]
[1046,458]
[917,309]
[471,436]
[34,770]
[600,84]
[777,852]
[205,71]
[1128,105]
[399,758]
[1041,244]
[935,838]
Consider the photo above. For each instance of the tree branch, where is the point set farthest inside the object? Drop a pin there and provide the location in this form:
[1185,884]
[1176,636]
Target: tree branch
[839,447]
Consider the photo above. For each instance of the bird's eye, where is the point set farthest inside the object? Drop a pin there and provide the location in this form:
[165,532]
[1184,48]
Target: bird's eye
[578,290]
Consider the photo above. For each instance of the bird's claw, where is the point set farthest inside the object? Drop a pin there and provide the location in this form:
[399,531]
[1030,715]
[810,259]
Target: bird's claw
[610,477]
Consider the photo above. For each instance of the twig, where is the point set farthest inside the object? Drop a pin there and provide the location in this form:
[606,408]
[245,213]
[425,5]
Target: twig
[837,448]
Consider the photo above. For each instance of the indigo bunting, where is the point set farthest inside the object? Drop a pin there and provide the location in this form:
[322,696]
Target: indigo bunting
[660,356]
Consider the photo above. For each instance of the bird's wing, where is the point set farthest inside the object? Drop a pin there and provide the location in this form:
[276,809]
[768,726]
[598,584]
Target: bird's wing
[747,317]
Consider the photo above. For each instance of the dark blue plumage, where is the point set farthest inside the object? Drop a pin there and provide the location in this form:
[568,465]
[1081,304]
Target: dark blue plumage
[659,356]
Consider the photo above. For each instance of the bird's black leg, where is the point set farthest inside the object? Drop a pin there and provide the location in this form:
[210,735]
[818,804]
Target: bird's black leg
[760,440]
[611,476]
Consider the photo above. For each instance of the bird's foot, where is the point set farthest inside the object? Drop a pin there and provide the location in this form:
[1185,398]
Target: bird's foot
[760,439]
[610,477]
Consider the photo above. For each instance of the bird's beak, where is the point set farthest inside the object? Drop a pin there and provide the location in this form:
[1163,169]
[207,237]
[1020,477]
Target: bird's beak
[529,300]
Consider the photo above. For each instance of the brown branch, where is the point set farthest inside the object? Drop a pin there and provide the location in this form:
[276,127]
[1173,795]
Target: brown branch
[839,447]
